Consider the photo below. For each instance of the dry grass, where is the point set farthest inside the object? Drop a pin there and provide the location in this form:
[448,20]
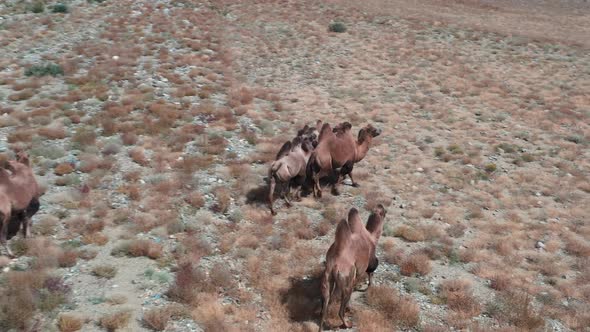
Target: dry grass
[458,296]
[415,263]
[115,321]
[399,310]
[104,271]
[69,323]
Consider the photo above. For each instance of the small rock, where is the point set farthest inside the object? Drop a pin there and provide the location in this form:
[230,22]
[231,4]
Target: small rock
[539,245]
[435,203]
[4,261]
[420,169]
[115,57]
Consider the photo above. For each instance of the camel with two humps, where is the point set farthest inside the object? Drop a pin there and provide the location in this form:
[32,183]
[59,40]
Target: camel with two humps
[351,254]
[19,199]
[290,169]
[337,152]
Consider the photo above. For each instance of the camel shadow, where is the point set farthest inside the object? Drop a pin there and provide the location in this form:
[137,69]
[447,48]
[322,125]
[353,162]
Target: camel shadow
[303,298]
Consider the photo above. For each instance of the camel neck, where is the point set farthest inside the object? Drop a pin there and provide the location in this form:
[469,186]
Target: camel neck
[362,149]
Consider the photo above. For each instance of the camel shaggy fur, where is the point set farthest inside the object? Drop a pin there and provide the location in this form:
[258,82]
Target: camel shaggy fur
[338,149]
[20,190]
[290,168]
[352,253]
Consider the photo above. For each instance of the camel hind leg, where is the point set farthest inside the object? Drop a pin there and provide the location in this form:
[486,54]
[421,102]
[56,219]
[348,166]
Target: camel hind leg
[3,232]
[29,213]
[271,193]
[327,289]
[347,285]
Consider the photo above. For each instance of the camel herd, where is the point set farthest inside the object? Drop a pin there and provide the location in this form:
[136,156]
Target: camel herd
[314,153]
[321,152]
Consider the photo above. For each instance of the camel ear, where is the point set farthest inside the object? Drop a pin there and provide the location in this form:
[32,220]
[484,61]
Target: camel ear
[318,125]
[362,135]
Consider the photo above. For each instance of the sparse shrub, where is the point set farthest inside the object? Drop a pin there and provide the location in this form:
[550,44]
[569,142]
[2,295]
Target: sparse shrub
[138,156]
[506,147]
[222,200]
[44,70]
[500,282]
[115,321]
[409,233]
[337,27]
[221,276]
[187,284]
[514,306]
[69,323]
[138,248]
[60,8]
[456,230]
[415,263]
[84,136]
[37,7]
[458,296]
[195,199]
[490,168]
[67,258]
[156,319]
[400,310]
[63,169]
[104,271]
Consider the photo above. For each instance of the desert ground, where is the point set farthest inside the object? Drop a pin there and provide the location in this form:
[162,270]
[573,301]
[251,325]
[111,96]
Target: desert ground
[151,125]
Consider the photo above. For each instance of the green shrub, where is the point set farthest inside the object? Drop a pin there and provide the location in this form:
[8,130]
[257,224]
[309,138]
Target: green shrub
[490,168]
[44,70]
[60,8]
[337,27]
[37,7]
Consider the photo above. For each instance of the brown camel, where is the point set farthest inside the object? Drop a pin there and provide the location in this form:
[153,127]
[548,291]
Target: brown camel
[290,168]
[352,253]
[21,190]
[338,149]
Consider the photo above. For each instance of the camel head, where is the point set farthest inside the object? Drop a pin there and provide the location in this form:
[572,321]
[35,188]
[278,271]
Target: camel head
[368,132]
[22,157]
[380,210]
[308,145]
[309,132]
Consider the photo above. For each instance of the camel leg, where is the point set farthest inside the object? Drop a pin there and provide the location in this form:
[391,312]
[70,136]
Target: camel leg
[354,184]
[346,293]
[288,196]
[335,191]
[3,241]
[326,294]
[317,190]
[270,194]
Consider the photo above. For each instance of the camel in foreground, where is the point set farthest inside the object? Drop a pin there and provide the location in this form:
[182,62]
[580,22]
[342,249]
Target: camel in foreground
[338,149]
[290,168]
[352,253]
[18,190]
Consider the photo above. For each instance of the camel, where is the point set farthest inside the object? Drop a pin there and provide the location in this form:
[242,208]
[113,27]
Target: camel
[19,187]
[352,252]
[290,168]
[338,149]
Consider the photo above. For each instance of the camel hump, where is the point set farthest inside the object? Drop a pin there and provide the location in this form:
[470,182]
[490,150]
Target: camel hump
[284,150]
[343,232]
[354,221]
[324,131]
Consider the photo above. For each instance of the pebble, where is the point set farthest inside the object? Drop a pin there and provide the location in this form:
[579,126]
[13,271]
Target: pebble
[420,169]
[539,245]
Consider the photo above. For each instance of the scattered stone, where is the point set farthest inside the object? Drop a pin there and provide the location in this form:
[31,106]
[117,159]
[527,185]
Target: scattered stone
[540,245]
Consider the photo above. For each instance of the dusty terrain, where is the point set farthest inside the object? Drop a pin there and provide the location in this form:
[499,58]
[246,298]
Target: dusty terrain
[151,125]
